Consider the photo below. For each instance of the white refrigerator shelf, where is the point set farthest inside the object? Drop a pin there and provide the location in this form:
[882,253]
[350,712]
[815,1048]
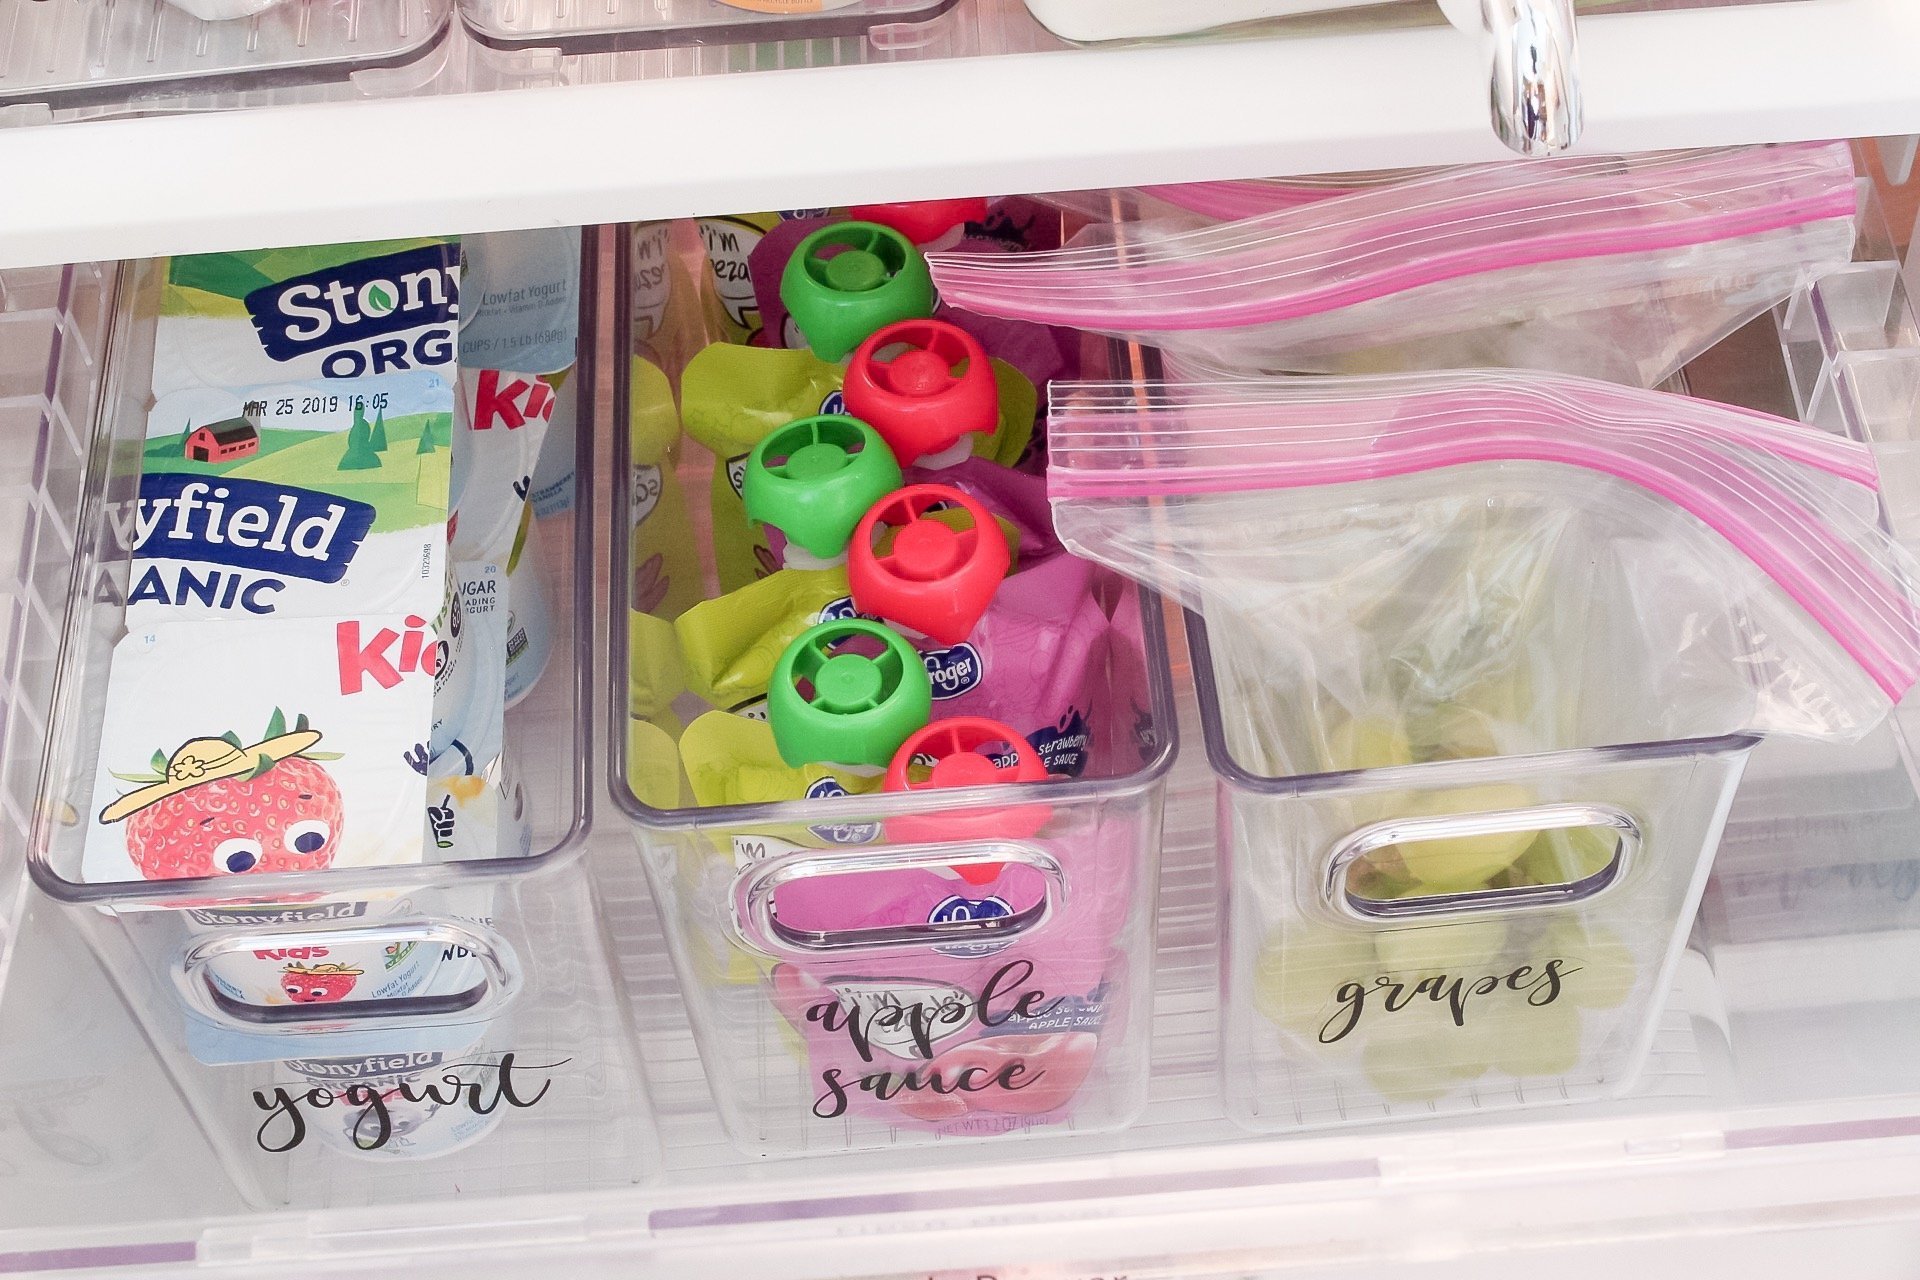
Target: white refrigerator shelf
[910,112]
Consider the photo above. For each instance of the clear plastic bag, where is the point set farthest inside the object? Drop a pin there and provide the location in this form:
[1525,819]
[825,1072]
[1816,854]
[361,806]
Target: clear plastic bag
[1197,204]
[1616,267]
[1476,564]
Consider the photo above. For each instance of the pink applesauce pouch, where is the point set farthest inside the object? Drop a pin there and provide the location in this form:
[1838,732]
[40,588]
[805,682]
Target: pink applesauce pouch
[984,1014]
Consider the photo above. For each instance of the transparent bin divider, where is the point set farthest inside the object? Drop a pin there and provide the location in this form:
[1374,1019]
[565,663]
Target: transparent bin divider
[52,324]
[1339,1007]
[373,974]
[834,964]
[631,25]
[126,55]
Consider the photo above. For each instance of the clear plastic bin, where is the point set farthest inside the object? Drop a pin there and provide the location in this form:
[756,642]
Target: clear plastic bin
[882,970]
[456,974]
[621,25]
[1343,1006]
[132,55]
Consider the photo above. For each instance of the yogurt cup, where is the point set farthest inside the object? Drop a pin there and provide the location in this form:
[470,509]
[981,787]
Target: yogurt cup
[529,614]
[295,955]
[498,431]
[553,472]
[401,1105]
[454,676]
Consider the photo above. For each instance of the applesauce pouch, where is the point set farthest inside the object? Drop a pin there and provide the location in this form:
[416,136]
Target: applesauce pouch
[1032,661]
[733,397]
[731,759]
[730,398]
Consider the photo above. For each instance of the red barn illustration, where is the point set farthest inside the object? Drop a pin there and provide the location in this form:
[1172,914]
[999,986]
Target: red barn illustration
[222,441]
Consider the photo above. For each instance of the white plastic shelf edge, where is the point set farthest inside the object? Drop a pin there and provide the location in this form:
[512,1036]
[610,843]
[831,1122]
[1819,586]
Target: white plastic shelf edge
[137,187]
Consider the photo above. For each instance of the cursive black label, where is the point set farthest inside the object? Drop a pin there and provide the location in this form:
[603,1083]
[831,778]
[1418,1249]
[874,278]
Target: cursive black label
[910,1020]
[1389,994]
[483,1088]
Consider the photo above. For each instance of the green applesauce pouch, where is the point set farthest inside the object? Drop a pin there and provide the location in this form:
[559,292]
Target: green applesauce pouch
[731,759]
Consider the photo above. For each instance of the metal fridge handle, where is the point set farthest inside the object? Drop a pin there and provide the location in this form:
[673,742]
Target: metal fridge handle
[1535,95]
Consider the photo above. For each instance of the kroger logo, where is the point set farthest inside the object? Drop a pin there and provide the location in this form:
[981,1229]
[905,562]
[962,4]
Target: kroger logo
[953,671]
[838,611]
[958,910]
[840,832]
[847,832]
[356,301]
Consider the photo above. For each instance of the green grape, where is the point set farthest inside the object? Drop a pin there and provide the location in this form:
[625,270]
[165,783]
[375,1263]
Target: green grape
[1453,732]
[1461,949]
[1416,1054]
[1302,967]
[1566,855]
[1367,742]
[1523,1039]
[1461,864]
[1606,965]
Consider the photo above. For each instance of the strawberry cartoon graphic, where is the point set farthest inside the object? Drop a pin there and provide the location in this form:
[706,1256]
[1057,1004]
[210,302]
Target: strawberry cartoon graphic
[219,807]
[318,984]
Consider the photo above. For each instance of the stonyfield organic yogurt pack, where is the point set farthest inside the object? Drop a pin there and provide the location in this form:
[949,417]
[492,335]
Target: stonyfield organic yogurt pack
[297,453]
[291,605]
[282,745]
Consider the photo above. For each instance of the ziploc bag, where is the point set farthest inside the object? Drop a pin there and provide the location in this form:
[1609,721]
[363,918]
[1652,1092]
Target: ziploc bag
[1616,267]
[1480,659]
[1582,562]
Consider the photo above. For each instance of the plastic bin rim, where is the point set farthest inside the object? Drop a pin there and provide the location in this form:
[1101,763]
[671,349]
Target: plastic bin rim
[229,892]
[1233,774]
[749,28]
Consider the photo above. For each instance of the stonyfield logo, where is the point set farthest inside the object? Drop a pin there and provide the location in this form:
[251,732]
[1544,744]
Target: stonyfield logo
[1063,747]
[371,1067]
[246,524]
[315,914]
[953,671]
[834,403]
[358,311]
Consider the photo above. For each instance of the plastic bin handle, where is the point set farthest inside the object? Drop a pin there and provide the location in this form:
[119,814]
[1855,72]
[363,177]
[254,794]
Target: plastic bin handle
[756,917]
[1451,826]
[499,978]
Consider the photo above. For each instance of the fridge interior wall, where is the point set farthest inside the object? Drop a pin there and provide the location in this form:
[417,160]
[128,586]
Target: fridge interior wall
[1791,1027]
